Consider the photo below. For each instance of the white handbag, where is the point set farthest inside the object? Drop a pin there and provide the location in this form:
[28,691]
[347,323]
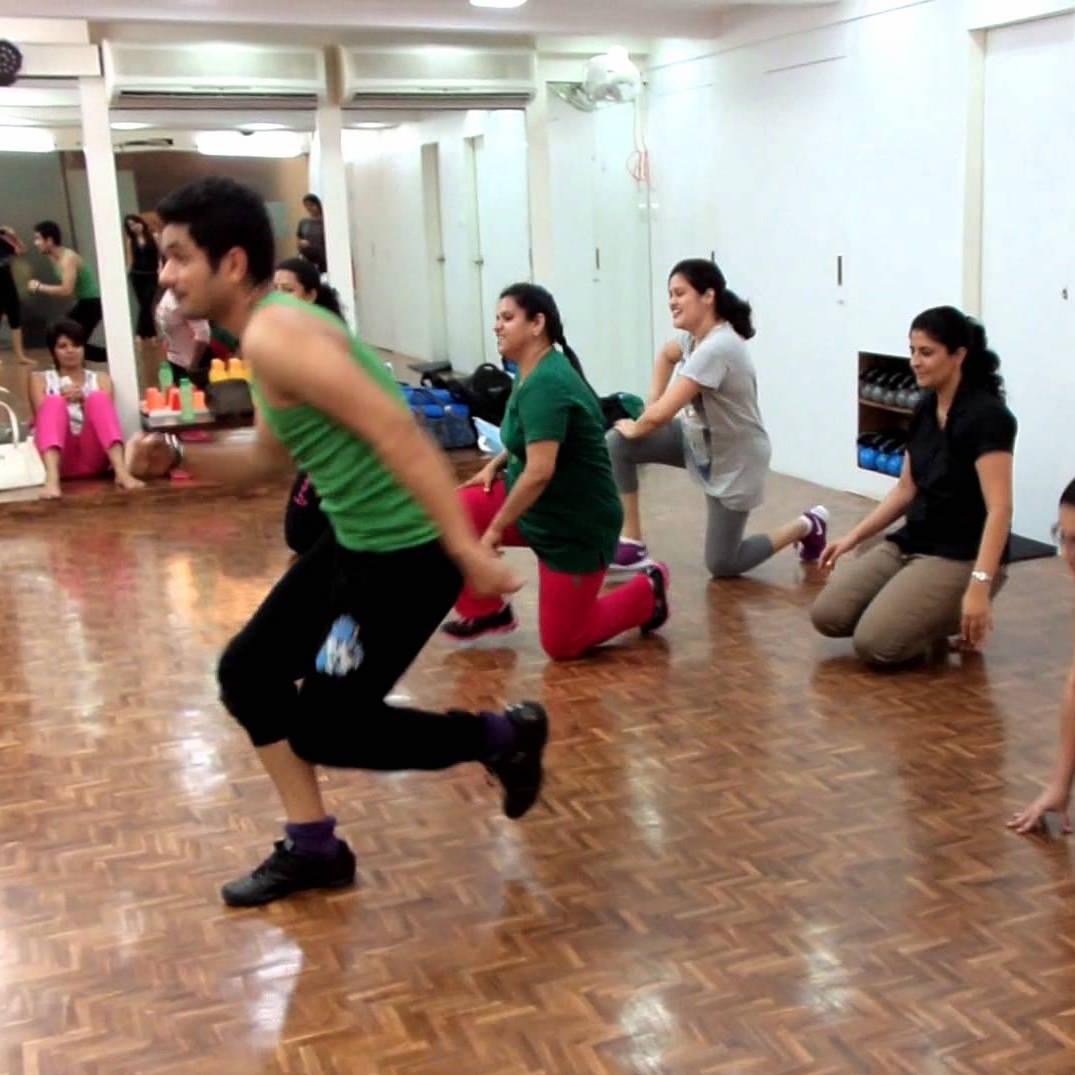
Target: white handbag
[20,462]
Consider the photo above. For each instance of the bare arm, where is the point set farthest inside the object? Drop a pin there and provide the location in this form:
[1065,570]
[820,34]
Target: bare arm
[894,505]
[254,461]
[104,383]
[995,475]
[37,391]
[540,467]
[68,273]
[677,395]
[1057,793]
[663,366]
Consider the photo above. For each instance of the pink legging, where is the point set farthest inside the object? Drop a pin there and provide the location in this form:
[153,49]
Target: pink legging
[572,617]
[84,455]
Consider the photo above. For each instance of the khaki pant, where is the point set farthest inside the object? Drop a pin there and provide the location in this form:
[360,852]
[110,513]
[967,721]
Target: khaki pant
[895,607]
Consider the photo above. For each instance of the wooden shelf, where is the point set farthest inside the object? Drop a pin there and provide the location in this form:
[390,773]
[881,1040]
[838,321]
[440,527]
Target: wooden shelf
[885,407]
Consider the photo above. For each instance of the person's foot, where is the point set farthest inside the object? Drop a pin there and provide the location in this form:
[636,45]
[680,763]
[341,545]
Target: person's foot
[25,360]
[630,556]
[51,491]
[659,578]
[285,872]
[519,767]
[496,623]
[129,483]
[813,544]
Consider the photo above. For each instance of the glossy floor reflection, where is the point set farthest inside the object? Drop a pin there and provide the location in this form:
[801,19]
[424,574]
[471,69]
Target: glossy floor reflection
[754,857]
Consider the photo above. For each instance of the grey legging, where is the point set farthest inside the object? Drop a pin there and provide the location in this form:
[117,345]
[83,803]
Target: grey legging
[727,553]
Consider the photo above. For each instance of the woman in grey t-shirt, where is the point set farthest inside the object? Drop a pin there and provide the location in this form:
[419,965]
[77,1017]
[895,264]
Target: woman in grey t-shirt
[703,415]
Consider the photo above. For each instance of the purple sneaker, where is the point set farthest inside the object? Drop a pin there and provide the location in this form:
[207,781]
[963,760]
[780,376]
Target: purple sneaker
[630,556]
[813,545]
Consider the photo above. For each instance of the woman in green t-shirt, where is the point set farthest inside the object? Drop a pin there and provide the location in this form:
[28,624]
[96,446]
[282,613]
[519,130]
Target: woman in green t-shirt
[557,495]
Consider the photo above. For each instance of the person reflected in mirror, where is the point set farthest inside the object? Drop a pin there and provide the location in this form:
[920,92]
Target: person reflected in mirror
[311,233]
[76,428]
[11,246]
[142,264]
[76,280]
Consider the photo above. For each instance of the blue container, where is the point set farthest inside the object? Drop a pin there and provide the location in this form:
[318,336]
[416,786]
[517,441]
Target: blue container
[867,457]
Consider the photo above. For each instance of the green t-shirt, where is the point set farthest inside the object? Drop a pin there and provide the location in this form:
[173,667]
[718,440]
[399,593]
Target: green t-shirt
[370,511]
[574,525]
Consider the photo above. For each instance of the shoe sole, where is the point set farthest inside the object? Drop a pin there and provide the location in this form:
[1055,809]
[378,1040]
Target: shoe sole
[344,882]
[627,569]
[492,632]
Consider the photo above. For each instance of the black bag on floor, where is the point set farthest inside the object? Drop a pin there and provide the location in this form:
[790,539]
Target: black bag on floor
[485,391]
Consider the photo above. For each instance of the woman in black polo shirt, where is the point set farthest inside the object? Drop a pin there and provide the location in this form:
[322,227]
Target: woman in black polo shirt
[937,575]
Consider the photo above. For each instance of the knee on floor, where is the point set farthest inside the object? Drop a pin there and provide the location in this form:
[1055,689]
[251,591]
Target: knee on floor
[827,620]
[885,647]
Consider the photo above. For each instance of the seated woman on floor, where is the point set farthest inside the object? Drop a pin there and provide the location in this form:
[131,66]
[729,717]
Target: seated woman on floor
[938,574]
[76,428]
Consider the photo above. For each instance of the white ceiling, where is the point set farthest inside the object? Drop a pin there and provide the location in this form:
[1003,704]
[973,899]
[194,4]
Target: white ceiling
[663,18]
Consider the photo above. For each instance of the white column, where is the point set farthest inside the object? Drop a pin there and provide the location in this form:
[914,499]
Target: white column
[973,222]
[330,185]
[540,176]
[111,257]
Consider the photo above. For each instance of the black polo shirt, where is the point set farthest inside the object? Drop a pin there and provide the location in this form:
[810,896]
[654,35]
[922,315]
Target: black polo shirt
[947,516]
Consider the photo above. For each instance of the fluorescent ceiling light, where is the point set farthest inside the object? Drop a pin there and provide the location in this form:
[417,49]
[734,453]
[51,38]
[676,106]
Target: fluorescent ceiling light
[26,140]
[497,3]
[371,126]
[260,144]
[125,125]
[262,127]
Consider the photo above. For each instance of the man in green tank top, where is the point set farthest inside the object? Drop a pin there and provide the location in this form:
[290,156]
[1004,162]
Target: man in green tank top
[76,281]
[350,615]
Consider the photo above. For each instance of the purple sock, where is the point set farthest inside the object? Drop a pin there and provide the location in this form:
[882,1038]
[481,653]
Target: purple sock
[316,838]
[499,733]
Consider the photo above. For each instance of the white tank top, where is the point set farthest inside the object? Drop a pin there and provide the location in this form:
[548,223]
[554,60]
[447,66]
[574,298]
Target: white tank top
[54,385]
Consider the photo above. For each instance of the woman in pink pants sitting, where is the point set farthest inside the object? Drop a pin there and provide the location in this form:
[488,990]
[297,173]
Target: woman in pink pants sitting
[76,428]
[557,495]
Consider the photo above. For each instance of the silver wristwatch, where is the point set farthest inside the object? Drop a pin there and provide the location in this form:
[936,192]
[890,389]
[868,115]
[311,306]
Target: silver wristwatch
[981,576]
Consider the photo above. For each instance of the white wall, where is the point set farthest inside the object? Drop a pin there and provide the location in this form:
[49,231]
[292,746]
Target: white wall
[783,154]
[600,244]
[1028,278]
[483,199]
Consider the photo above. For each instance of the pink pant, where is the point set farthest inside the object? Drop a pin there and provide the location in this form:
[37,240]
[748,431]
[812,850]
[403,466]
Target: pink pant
[84,455]
[572,617]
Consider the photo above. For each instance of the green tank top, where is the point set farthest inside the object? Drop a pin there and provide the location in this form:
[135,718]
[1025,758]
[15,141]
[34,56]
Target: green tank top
[370,511]
[86,283]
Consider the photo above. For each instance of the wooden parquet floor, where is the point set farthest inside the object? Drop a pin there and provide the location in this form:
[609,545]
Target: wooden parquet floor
[753,858]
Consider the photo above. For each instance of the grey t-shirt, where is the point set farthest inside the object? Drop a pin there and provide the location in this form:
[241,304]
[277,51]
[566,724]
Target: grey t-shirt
[724,441]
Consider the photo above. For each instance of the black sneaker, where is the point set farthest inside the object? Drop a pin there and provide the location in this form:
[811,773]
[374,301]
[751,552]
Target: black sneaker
[285,872]
[658,575]
[519,769]
[497,623]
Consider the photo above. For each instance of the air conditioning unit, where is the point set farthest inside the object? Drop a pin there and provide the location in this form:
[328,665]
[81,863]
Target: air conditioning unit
[436,77]
[213,75]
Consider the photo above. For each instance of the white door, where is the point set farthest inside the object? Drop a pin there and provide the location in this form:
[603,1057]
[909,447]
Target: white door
[1028,268]
[503,224]
[434,250]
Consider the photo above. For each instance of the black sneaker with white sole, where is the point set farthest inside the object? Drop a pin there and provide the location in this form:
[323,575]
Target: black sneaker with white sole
[496,623]
[285,872]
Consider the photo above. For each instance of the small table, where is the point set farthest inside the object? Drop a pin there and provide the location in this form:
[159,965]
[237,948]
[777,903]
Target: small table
[177,425]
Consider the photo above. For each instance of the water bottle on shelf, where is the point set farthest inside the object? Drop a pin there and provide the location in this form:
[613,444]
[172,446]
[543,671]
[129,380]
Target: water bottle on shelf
[186,400]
